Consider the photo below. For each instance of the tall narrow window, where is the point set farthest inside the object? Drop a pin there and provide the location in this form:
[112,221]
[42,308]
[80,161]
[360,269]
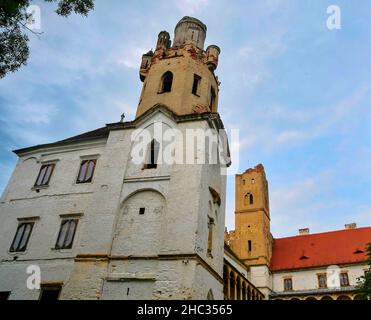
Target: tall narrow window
[152,155]
[166,82]
[21,237]
[86,172]
[45,174]
[212,99]
[322,280]
[50,292]
[210,237]
[196,85]
[66,234]
[249,246]
[344,279]
[287,284]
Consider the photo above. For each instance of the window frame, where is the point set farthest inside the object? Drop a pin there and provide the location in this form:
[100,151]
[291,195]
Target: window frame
[341,278]
[151,156]
[82,162]
[196,85]
[4,295]
[46,183]
[18,249]
[287,287]
[162,83]
[50,287]
[322,276]
[66,236]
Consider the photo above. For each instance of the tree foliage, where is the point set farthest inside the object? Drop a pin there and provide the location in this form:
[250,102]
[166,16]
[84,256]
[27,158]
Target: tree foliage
[364,286]
[14,51]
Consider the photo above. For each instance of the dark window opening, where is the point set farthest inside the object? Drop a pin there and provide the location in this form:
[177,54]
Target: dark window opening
[167,82]
[142,210]
[249,245]
[50,292]
[152,155]
[21,237]
[249,199]
[212,100]
[86,171]
[66,234]
[287,283]
[4,295]
[196,84]
[45,174]
[210,225]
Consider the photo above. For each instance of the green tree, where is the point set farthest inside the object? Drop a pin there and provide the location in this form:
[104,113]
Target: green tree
[14,49]
[364,284]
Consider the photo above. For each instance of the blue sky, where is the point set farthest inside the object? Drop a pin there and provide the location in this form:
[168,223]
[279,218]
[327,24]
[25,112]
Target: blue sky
[299,93]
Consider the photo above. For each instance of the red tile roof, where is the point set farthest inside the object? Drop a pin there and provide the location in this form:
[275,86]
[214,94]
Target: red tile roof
[320,249]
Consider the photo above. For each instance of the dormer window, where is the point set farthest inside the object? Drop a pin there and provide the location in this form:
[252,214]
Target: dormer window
[166,82]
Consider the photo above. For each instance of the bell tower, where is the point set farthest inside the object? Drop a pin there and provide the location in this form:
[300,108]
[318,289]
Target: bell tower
[252,240]
[181,76]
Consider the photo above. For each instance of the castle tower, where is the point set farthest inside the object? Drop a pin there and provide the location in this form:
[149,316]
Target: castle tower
[181,76]
[252,240]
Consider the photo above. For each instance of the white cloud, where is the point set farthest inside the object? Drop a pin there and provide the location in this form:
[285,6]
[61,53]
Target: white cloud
[190,7]
[131,56]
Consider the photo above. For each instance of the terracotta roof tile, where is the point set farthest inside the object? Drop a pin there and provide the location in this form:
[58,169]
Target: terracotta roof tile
[320,249]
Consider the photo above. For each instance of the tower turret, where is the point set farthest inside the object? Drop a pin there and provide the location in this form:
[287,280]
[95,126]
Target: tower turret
[181,76]
[252,240]
[190,30]
[163,41]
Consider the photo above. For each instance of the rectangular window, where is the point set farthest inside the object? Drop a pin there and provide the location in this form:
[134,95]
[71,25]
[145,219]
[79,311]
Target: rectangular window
[4,295]
[210,237]
[344,279]
[45,174]
[86,172]
[66,234]
[21,237]
[322,280]
[287,284]
[249,245]
[196,84]
[212,100]
[50,292]
[152,155]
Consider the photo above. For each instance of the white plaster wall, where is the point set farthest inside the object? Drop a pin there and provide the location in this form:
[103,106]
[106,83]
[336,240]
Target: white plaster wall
[181,228]
[307,279]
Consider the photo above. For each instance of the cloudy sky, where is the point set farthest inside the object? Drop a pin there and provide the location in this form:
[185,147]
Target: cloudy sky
[299,93]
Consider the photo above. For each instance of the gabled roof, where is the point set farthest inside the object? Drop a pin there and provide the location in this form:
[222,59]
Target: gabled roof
[102,133]
[321,249]
[99,133]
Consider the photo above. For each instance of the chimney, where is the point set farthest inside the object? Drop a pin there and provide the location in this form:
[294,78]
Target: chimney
[303,231]
[351,226]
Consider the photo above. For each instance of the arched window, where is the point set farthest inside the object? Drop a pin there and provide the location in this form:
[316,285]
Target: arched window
[166,82]
[249,199]
[152,155]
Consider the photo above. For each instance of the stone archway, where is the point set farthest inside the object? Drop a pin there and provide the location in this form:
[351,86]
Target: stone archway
[343,297]
[311,298]
[326,298]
